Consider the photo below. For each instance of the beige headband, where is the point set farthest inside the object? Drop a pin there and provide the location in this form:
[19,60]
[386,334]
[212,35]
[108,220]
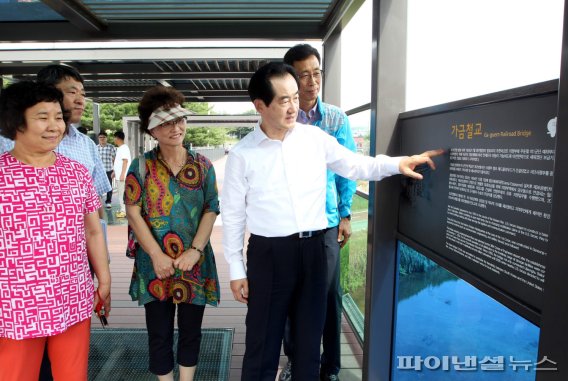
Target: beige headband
[161,115]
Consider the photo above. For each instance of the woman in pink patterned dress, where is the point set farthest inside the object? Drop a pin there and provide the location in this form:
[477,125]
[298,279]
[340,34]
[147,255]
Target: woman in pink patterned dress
[48,225]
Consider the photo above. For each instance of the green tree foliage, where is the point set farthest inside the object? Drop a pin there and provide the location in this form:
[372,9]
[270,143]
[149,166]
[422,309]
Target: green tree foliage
[205,137]
[87,118]
[111,114]
[353,257]
[239,132]
[7,81]
[200,108]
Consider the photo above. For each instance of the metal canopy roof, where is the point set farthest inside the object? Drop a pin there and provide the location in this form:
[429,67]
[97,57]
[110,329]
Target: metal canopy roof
[88,20]
[122,75]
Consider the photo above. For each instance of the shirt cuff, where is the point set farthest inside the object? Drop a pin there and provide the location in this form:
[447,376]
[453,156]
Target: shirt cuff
[391,164]
[237,270]
[344,211]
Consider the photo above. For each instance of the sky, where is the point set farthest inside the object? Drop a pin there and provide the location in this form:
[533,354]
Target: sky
[231,108]
[458,49]
[463,48]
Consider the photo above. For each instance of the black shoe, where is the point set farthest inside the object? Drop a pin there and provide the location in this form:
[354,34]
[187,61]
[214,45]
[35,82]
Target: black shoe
[329,377]
[286,374]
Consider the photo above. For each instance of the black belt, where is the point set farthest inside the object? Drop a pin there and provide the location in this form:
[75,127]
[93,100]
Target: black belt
[307,234]
[300,235]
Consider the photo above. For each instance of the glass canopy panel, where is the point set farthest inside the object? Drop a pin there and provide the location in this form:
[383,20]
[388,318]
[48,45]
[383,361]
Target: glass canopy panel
[219,10]
[27,10]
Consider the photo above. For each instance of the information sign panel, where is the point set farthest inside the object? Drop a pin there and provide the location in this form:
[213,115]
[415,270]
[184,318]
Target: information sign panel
[487,207]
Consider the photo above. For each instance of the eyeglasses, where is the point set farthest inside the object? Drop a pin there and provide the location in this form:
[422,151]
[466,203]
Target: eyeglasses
[316,75]
[171,123]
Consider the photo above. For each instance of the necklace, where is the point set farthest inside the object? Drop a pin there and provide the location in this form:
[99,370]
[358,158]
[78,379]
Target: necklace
[175,164]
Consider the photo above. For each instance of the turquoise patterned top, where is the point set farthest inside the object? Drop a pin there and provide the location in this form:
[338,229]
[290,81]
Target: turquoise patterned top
[172,207]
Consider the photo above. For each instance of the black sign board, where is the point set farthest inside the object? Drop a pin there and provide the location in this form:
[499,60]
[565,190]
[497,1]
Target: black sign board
[487,207]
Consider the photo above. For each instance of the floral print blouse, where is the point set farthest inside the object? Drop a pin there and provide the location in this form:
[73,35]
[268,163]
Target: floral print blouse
[172,207]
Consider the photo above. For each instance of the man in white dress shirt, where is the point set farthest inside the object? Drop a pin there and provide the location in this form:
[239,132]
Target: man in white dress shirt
[275,185]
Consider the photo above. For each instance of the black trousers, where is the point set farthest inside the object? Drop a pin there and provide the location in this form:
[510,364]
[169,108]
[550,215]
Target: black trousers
[331,356]
[287,277]
[160,324]
[109,193]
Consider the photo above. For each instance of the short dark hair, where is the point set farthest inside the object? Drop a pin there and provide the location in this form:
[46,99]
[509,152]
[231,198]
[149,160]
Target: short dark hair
[300,52]
[17,98]
[119,134]
[260,86]
[154,98]
[102,133]
[53,74]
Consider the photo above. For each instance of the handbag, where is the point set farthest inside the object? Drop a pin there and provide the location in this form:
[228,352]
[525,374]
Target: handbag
[133,245]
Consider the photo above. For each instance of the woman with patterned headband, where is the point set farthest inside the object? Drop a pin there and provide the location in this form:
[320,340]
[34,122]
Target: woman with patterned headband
[171,204]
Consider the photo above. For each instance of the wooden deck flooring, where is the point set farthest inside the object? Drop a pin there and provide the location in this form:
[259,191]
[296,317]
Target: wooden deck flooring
[127,314]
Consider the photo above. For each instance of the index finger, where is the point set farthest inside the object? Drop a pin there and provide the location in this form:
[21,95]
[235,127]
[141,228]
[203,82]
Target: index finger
[433,153]
[426,157]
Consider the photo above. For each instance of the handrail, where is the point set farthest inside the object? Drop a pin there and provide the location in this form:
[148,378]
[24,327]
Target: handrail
[365,107]
[362,194]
